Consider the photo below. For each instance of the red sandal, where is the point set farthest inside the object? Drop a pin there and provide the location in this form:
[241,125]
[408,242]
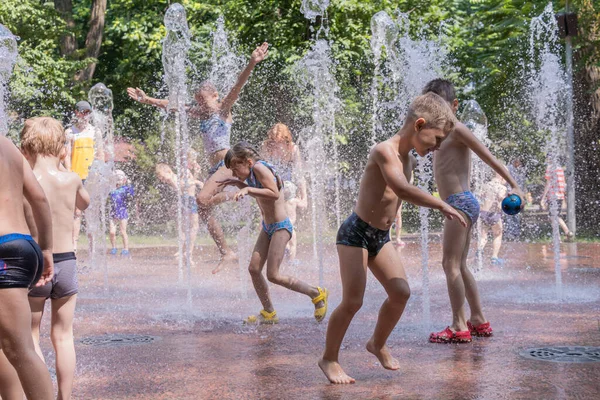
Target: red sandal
[448,336]
[482,330]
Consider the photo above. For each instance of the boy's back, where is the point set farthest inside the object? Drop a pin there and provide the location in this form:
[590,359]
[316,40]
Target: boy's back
[11,195]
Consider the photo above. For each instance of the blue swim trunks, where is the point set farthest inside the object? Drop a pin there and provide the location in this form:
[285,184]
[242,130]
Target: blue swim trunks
[357,233]
[21,261]
[270,229]
[467,203]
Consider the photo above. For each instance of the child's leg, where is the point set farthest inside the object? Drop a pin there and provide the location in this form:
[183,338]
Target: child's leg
[112,231]
[353,271]
[37,312]
[63,310]
[123,229]
[455,244]
[209,196]
[470,288]
[257,262]
[388,270]
[17,344]
[496,238]
[275,257]
[10,386]
[483,238]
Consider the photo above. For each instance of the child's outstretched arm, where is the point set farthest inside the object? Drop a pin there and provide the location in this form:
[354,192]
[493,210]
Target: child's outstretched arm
[40,208]
[257,56]
[139,95]
[470,140]
[82,199]
[392,171]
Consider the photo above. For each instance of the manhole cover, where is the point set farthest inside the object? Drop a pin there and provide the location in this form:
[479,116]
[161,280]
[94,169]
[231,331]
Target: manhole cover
[117,339]
[568,354]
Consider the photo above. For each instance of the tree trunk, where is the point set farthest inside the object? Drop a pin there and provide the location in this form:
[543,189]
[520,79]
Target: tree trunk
[586,84]
[68,44]
[93,40]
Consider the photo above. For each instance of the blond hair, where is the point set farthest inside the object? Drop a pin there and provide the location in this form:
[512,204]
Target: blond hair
[280,136]
[43,136]
[434,110]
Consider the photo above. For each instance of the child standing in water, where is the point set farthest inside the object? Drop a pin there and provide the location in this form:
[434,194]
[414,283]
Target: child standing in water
[491,196]
[42,143]
[215,128]
[22,264]
[451,167]
[119,215]
[363,240]
[258,179]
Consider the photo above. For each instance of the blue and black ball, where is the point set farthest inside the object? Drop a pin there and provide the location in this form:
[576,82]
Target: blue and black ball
[511,205]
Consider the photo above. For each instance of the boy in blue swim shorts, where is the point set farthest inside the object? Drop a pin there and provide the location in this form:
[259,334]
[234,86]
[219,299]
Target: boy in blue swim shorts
[22,264]
[257,178]
[451,167]
[120,198]
[363,240]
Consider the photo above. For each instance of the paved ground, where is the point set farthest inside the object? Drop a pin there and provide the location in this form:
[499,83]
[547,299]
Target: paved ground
[200,350]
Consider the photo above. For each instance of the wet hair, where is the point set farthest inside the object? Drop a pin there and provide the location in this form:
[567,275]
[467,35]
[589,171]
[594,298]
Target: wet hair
[434,110]
[241,151]
[43,136]
[280,134]
[441,87]
[205,85]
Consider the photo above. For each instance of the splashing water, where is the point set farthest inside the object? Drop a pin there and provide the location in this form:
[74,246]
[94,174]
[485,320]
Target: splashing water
[311,9]
[8,57]
[226,65]
[474,118]
[175,59]
[398,78]
[314,73]
[100,180]
[547,89]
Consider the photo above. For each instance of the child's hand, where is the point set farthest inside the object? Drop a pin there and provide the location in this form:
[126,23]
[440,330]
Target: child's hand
[48,271]
[232,182]
[137,94]
[519,193]
[451,213]
[240,195]
[260,53]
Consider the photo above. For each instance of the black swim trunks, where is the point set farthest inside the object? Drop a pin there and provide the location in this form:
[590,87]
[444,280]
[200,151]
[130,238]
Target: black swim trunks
[357,233]
[21,261]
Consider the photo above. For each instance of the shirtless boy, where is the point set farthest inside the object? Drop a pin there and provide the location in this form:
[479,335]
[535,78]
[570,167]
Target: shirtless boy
[363,240]
[22,262]
[451,167]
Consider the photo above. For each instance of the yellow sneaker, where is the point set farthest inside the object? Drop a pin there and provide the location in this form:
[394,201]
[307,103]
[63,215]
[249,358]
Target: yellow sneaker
[321,311]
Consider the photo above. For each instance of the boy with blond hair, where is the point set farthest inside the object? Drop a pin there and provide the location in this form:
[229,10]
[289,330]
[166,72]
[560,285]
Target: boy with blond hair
[22,262]
[43,144]
[363,240]
[451,167]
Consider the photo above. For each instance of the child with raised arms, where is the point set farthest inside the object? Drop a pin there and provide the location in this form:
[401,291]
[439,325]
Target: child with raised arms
[257,178]
[363,240]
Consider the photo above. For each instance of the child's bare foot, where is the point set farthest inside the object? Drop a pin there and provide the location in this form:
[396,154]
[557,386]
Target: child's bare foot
[334,372]
[227,258]
[384,356]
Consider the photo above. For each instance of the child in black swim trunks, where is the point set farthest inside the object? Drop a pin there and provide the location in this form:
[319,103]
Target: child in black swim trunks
[257,178]
[22,262]
[363,240]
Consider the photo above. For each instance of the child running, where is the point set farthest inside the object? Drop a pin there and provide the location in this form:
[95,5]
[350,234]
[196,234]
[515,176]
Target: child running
[119,215]
[22,264]
[363,240]
[451,167]
[42,143]
[215,127]
[258,179]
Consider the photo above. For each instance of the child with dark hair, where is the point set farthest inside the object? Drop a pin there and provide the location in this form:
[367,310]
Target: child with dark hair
[257,178]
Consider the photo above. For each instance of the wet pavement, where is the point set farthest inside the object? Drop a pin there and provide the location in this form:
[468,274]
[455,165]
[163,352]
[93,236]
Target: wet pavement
[143,337]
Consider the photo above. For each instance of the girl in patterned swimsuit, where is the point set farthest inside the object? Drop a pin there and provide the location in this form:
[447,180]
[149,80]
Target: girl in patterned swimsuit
[215,127]
[259,179]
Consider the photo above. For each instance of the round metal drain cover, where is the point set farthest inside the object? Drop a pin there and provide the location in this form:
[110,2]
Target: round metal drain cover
[566,354]
[118,339]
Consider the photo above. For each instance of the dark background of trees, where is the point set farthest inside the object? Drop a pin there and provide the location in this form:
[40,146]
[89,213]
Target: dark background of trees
[67,46]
